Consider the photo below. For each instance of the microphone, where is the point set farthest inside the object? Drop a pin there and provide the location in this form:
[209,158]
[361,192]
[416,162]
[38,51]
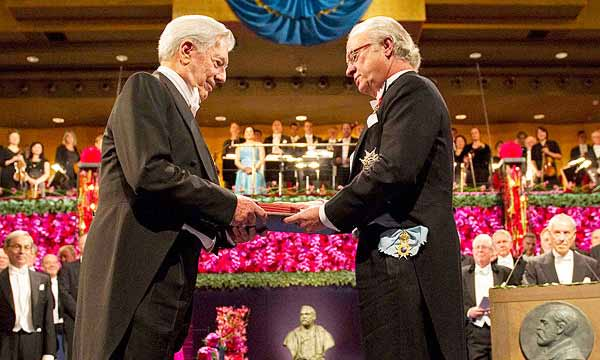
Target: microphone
[513,270]
[592,270]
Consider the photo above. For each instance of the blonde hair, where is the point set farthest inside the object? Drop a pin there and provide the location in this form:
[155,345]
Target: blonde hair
[72,133]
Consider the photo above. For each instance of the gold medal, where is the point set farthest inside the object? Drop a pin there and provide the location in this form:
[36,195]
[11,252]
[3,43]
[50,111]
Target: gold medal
[403,248]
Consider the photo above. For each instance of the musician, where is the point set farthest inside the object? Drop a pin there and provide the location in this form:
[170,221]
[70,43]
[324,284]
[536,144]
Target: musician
[228,166]
[11,158]
[460,143]
[545,153]
[479,156]
[595,149]
[38,168]
[582,149]
[342,154]
[67,156]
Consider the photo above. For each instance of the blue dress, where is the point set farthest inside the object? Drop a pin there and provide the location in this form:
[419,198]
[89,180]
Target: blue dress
[249,156]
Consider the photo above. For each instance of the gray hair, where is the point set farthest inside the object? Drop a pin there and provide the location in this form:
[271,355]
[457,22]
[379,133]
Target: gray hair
[14,235]
[562,217]
[203,31]
[503,232]
[482,238]
[380,28]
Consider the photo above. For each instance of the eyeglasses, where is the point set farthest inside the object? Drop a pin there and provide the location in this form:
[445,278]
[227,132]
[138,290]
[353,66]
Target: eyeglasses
[353,55]
[18,247]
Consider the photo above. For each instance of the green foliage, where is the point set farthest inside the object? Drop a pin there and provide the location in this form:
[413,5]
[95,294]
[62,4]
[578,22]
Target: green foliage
[485,200]
[42,206]
[565,200]
[275,280]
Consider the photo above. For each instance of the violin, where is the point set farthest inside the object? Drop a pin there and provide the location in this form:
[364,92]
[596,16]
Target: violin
[549,166]
[20,171]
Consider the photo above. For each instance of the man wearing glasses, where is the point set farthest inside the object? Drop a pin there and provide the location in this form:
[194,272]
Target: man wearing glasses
[26,304]
[399,200]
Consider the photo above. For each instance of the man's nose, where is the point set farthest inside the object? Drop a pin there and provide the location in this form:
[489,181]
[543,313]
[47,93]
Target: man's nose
[221,76]
[350,70]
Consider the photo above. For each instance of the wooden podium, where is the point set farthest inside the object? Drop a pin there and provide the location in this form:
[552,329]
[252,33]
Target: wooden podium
[510,306]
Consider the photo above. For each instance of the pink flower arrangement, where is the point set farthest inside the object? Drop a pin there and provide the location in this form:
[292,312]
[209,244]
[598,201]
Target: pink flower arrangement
[229,338]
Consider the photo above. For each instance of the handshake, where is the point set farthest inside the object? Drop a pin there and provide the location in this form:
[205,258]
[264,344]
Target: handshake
[250,218]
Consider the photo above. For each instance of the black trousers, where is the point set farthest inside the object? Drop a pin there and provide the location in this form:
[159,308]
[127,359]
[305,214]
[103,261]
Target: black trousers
[395,321]
[479,342]
[21,346]
[161,321]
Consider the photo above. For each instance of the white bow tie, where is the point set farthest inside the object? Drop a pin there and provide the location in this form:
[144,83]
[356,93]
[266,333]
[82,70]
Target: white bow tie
[485,271]
[20,271]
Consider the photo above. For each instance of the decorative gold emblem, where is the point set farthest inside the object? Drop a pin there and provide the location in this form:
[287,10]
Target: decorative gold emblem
[403,248]
[369,160]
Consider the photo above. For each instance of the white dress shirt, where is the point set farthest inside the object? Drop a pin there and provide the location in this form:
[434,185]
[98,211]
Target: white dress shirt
[54,283]
[597,150]
[583,149]
[387,84]
[192,98]
[484,280]
[507,261]
[276,141]
[345,149]
[21,292]
[564,267]
[309,142]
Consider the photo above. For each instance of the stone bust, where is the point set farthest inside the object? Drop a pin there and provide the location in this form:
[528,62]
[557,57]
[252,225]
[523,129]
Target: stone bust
[308,341]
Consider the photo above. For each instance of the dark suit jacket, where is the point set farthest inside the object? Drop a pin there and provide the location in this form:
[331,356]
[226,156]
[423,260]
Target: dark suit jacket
[576,153]
[316,139]
[42,304]
[468,281]
[68,285]
[541,270]
[517,275]
[156,175]
[595,252]
[337,151]
[411,183]
[269,140]
[228,149]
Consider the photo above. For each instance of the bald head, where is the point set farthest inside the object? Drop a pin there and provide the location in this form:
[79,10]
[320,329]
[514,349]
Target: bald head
[51,265]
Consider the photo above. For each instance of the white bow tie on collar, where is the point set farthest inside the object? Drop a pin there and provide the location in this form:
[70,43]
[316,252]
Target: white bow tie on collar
[482,271]
[20,271]
[195,101]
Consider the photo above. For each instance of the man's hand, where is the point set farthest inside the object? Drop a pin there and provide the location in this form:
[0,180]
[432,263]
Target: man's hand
[241,234]
[475,312]
[246,212]
[308,219]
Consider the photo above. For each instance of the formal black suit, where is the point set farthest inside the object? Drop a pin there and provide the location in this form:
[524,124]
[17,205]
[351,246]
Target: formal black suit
[541,270]
[272,168]
[343,173]
[576,152]
[410,308]
[595,252]
[228,165]
[140,267]
[517,275]
[43,340]
[479,343]
[68,282]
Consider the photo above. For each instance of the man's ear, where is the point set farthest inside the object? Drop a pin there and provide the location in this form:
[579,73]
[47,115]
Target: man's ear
[388,47]
[185,52]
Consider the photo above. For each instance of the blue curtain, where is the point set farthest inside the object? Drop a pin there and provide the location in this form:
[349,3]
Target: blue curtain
[300,22]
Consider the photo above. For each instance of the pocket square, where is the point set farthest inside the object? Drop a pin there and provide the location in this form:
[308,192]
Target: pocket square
[39,330]
[587,280]
[42,287]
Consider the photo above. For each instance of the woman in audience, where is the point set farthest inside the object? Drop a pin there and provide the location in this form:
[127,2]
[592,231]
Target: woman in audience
[11,159]
[38,169]
[460,142]
[249,160]
[67,156]
[479,156]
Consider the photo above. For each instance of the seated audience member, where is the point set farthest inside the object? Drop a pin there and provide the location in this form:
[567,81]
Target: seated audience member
[595,249]
[67,254]
[478,155]
[582,149]
[11,158]
[529,241]
[67,156]
[477,280]
[249,161]
[3,260]
[68,279]
[545,153]
[51,266]
[26,303]
[342,154]
[503,245]
[545,244]
[38,168]
[561,265]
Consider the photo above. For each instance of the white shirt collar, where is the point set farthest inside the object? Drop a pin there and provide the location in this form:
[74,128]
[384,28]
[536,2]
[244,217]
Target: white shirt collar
[190,94]
[19,271]
[483,270]
[567,257]
[386,84]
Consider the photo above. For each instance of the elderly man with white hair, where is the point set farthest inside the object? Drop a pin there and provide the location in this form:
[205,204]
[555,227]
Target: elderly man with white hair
[503,245]
[399,198]
[595,249]
[477,281]
[160,202]
[561,265]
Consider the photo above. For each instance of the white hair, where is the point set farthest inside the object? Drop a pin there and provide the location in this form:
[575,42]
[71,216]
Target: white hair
[202,30]
[380,28]
[562,217]
[15,235]
[503,232]
[482,238]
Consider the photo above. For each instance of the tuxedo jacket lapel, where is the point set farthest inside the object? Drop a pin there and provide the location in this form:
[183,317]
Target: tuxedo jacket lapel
[549,269]
[470,285]
[34,281]
[357,150]
[6,289]
[579,268]
[190,122]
